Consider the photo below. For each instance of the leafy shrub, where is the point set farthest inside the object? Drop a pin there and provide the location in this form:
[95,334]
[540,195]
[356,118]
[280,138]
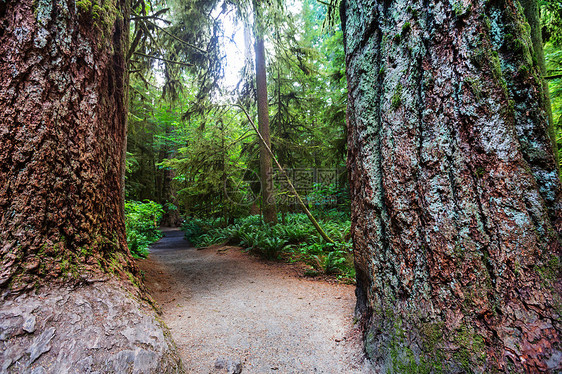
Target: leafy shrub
[338,231]
[294,233]
[253,220]
[142,221]
[297,218]
[296,240]
[233,234]
[269,246]
[194,228]
[312,248]
[322,195]
[333,262]
[249,239]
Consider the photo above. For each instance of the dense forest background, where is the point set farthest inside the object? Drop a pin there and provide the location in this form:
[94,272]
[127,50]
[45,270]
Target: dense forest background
[192,154]
[449,187]
[551,24]
[184,121]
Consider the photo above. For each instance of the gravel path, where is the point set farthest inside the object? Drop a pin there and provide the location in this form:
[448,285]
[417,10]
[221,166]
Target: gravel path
[228,309]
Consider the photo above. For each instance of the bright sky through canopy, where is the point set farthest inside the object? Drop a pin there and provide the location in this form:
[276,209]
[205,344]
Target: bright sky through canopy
[233,41]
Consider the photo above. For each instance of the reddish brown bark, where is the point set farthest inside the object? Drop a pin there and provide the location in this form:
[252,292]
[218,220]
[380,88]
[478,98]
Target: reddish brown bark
[268,199]
[455,189]
[62,132]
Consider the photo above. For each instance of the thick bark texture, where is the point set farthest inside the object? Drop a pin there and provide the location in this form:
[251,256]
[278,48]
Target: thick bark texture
[62,132]
[93,328]
[455,191]
[62,233]
[266,171]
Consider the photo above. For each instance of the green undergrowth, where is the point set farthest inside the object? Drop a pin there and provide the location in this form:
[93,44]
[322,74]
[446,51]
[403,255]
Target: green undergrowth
[142,220]
[295,240]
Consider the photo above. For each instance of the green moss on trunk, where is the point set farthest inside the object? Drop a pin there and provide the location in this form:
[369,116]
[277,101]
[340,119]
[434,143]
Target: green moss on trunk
[456,201]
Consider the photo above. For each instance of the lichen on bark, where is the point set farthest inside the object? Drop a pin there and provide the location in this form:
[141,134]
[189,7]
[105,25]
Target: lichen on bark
[63,125]
[70,296]
[455,189]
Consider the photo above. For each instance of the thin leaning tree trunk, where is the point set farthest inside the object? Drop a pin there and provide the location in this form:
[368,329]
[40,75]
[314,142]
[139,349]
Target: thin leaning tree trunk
[291,186]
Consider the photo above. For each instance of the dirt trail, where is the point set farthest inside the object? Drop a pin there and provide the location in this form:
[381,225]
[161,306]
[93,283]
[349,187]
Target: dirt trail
[227,308]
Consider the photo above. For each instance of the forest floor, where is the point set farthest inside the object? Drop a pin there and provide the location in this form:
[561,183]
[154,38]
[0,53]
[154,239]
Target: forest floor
[226,308]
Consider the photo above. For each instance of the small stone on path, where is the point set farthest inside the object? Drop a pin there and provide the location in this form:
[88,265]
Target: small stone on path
[228,366]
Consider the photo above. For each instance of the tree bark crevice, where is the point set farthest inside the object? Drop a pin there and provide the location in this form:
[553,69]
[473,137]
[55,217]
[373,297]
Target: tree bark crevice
[446,139]
[63,113]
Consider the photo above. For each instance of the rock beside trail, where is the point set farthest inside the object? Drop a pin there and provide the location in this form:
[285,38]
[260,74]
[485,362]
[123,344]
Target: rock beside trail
[228,366]
[98,327]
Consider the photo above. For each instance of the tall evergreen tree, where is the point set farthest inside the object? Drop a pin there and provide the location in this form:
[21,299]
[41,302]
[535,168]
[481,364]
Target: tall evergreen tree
[455,187]
[266,171]
[64,256]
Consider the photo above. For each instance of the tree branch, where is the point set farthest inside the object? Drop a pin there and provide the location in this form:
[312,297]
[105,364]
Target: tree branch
[135,16]
[136,39]
[163,59]
[302,204]
[178,39]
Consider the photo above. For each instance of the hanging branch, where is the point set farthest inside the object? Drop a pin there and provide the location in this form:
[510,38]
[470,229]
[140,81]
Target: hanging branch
[155,16]
[302,204]
[163,59]
[178,39]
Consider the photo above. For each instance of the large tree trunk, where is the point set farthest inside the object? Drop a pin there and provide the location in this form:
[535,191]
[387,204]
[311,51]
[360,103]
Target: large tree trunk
[266,172]
[62,132]
[455,189]
[63,124]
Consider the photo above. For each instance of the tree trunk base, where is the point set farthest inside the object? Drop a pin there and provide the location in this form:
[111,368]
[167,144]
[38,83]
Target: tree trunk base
[97,327]
[171,218]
